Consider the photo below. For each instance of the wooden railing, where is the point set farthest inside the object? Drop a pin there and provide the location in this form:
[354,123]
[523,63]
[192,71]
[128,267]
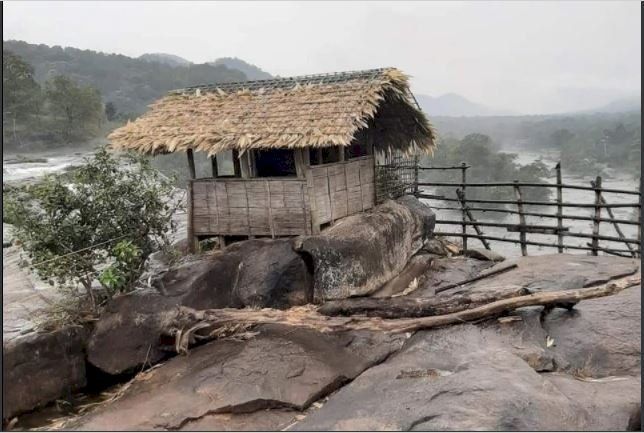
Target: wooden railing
[602,212]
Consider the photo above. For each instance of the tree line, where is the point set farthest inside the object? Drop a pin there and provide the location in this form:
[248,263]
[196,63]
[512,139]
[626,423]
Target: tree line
[61,110]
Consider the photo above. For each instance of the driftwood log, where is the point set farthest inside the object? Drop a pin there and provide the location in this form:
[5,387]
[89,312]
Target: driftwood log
[395,308]
[187,325]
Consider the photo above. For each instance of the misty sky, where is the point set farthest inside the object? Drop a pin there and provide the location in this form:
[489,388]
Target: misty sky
[528,57]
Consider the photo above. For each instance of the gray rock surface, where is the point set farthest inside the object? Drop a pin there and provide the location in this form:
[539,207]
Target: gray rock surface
[41,367]
[282,367]
[362,252]
[600,337]
[483,254]
[7,236]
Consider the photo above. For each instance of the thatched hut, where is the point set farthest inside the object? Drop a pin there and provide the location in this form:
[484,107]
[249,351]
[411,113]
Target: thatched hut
[289,155]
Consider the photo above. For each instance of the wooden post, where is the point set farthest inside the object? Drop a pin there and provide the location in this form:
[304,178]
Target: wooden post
[597,214]
[236,163]
[522,224]
[193,242]
[191,164]
[416,176]
[639,218]
[478,231]
[616,226]
[213,162]
[560,234]
[463,203]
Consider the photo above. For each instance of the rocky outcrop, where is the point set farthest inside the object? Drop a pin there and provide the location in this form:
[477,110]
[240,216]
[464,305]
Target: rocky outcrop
[41,367]
[360,253]
[281,367]
[467,378]
[255,273]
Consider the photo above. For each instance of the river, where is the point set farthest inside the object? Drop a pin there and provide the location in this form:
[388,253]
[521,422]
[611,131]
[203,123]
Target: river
[611,179]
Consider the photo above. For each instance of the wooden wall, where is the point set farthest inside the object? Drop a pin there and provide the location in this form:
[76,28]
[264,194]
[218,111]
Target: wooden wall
[341,189]
[255,207]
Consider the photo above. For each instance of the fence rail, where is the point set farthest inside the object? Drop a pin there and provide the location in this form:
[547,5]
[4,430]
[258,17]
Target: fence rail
[598,206]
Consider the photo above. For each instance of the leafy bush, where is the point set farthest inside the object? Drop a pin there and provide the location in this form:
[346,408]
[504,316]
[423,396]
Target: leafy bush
[98,222]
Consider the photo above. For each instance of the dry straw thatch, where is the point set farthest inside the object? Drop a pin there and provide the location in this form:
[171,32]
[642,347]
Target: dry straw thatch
[299,112]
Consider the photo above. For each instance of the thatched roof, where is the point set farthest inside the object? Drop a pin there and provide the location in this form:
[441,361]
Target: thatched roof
[298,112]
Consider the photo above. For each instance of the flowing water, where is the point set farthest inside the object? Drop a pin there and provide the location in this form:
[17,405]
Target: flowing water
[611,179]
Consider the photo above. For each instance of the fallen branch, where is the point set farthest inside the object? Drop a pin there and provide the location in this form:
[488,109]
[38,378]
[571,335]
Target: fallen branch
[210,323]
[395,308]
[485,274]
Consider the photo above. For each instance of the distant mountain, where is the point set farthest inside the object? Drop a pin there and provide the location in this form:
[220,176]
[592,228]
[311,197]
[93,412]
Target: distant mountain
[251,71]
[455,105]
[167,59]
[131,84]
[624,105]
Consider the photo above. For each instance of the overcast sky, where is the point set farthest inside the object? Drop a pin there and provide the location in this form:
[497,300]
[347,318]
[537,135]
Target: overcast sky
[529,57]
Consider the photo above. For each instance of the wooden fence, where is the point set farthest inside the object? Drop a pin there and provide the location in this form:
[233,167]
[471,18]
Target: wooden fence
[602,212]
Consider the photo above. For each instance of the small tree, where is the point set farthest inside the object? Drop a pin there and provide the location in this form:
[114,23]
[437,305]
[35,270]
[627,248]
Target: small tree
[76,109]
[110,111]
[98,222]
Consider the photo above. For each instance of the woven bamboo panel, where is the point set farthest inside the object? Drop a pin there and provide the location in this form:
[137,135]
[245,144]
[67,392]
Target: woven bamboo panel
[257,207]
[342,189]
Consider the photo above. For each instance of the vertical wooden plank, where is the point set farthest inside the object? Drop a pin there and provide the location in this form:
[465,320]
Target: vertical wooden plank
[244,165]
[192,244]
[597,214]
[236,163]
[415,175]
[522,224]
[213,162]
[191,164]
[299,163]
[310,184]
[464,202]
[270,210]
[341,153]
[560,234]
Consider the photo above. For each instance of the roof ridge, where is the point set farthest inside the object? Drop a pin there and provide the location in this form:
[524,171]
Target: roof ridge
[328,77]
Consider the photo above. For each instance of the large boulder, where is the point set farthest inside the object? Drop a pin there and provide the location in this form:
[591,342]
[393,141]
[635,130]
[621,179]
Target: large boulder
[254,273]
[259,273]
[41,367]
[360,253]
[281,367]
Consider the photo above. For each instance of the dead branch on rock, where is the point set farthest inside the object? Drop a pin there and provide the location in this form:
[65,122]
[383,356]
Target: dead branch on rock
[185,323]
[485,274]
[395,308]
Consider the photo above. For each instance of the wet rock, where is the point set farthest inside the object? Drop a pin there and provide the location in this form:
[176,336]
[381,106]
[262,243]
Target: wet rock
[483,254]
[599,337]
[282,367]
[41,367]
[261,420]
[362,252]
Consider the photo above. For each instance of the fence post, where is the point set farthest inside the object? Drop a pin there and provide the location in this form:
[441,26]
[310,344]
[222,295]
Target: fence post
[597,184]
[522,224]
[560,234]
[416,162]
[463,202]
[639,219]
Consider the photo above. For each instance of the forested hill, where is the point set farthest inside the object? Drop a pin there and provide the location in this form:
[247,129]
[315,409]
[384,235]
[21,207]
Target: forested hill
[129,84]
